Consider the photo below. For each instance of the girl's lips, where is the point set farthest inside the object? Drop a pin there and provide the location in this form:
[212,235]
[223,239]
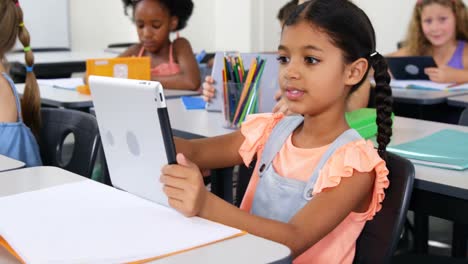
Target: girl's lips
[294,94]
[149,44]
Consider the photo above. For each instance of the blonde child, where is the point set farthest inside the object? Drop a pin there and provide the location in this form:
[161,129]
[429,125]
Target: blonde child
[16,139]
[316,181]
[173,63]
[439,28]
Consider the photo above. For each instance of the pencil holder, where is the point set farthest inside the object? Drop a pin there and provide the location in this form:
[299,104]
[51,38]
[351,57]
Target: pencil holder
[240,100]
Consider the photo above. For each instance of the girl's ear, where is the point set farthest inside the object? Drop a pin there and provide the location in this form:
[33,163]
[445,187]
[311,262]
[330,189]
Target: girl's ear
[174,23]
[356,71]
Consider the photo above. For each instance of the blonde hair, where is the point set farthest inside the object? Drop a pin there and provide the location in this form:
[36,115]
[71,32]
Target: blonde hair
[11,28]
[417,43]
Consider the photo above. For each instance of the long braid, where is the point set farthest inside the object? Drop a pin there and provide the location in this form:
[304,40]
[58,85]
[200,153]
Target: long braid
[31,102]
[383,102]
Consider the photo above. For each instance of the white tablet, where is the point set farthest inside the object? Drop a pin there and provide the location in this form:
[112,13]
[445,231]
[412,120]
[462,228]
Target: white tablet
[135,132]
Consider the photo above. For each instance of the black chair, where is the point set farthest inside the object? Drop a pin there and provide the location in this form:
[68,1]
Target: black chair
[464,118]
[57,124]
[379,238]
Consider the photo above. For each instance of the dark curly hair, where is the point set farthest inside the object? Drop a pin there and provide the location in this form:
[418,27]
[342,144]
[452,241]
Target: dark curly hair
[182,9]
[286,10]
[351,31]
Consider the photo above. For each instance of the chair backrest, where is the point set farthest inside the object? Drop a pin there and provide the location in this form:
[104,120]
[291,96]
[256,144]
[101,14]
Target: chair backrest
[464,118]
[380,236]
[57,124]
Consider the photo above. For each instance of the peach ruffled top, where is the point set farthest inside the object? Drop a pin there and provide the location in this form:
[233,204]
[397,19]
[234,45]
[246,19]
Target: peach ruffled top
[339,245]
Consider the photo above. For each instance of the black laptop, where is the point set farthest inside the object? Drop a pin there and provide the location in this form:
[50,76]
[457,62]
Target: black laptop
[410,68]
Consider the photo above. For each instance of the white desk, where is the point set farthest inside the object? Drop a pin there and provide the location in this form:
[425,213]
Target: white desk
[7,164]
[447,182]
[59,97]
[65,98]
[56,64]
[199,123]
[254,249]
[55,57]
[421,97]
[116,51]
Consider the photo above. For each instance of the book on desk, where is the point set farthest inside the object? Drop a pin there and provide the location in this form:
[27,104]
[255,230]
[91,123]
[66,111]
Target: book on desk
[444,149]
[428,85]
[88,222]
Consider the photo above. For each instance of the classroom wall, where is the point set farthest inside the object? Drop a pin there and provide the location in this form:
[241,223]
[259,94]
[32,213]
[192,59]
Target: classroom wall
[95,24]
[244,25]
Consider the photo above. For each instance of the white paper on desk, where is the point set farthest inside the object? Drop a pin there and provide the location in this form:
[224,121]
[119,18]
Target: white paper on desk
[422,83]
[427,85]
[87,222]
[65,83]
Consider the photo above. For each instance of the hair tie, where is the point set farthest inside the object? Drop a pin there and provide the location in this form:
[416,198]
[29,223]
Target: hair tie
[373,54]
[29,68]
[17,4]
[21,24]
[26,49]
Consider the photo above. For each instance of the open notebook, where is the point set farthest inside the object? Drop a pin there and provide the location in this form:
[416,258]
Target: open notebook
[445,149]
[428,85]
[88,222]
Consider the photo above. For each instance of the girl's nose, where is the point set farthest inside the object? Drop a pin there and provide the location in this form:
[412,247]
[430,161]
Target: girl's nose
[147,31]
[292,71]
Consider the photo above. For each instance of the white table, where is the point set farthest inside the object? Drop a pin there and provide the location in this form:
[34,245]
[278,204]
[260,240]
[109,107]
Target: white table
[421,97]
[199,123]
[66,98]
[447,182]
[7,163]
[54,64]
[254,249]
[116,51]
[60,97]
[55,57]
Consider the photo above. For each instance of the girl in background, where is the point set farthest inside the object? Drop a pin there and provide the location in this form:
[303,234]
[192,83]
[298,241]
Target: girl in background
[439,28]
[173,63]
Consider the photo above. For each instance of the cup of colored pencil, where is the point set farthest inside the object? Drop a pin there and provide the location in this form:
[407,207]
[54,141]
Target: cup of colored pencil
[240,89]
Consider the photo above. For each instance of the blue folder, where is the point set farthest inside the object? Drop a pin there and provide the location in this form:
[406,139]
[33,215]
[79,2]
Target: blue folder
[193,102]
[444,149]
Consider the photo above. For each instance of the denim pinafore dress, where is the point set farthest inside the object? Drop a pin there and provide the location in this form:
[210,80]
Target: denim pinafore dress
[16,139]
[280,198]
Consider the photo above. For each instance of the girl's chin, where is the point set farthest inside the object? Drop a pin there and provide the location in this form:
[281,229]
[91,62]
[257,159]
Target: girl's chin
[439,42]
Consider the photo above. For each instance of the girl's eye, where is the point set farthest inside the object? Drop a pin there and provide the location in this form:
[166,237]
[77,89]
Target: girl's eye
[311,60]
[282,59]
[427,21]
[156,26]
[140,26]
[442,19]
